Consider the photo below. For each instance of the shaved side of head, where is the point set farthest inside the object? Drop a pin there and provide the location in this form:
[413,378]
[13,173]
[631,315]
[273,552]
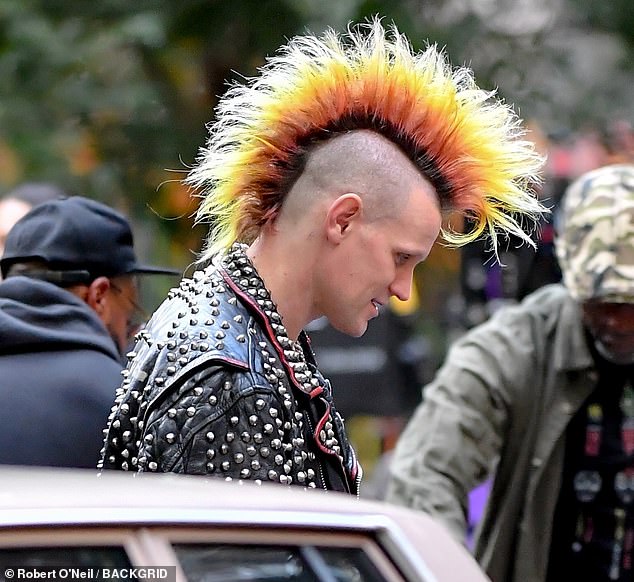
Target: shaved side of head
[360,162]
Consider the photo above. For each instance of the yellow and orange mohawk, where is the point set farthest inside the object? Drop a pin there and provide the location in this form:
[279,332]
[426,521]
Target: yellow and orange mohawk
[466,142]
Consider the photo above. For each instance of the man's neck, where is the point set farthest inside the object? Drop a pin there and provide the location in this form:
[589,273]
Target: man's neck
[285,270]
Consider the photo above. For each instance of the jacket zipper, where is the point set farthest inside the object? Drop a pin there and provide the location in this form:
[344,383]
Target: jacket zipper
[321,470]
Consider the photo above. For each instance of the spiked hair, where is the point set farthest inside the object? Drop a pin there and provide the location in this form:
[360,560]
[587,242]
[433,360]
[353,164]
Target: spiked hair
[466,142]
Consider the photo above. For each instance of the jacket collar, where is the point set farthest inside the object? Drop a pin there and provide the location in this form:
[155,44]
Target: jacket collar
[241,275]
[571,351]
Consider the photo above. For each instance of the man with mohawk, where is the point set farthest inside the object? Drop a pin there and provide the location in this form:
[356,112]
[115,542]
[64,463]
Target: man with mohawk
[325,180]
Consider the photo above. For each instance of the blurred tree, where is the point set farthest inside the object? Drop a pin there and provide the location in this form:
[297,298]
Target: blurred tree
[111,99]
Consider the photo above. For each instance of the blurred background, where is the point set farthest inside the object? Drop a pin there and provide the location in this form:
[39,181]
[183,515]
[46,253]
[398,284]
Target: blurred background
[110,99]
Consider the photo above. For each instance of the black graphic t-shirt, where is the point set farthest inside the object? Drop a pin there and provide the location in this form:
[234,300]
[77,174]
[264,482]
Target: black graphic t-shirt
[593,529]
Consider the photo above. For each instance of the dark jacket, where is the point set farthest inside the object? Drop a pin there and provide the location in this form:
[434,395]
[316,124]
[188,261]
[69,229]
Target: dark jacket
[216,387]
[59,370]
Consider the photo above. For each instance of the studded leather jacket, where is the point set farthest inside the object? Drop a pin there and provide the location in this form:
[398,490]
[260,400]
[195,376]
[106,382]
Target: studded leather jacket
[215,386]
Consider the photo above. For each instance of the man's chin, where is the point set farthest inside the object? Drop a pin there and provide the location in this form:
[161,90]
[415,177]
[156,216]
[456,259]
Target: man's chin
[351,331]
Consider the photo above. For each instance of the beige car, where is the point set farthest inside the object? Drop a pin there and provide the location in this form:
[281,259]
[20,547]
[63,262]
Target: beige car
[75,525]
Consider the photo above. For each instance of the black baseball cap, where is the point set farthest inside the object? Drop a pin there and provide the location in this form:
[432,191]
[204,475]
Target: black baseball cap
[79,239]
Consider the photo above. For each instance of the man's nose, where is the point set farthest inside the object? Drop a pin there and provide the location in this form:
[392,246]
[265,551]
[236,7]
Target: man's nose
[401,287]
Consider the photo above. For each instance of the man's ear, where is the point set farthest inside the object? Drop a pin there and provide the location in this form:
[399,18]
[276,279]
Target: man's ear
[342,214]
[96,294]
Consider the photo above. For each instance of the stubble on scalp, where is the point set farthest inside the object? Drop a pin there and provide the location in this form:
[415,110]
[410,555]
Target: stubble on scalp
[361,162]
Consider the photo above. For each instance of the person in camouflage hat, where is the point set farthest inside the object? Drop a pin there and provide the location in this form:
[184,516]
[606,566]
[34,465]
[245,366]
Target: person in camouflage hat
[596,253]
[541,398]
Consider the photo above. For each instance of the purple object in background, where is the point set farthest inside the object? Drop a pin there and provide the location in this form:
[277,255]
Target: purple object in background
[477,501]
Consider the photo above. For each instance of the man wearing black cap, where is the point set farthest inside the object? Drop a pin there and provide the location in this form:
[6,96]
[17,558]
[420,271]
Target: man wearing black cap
[68,309]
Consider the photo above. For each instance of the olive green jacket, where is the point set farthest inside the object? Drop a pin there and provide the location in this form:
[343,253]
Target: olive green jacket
[500,403]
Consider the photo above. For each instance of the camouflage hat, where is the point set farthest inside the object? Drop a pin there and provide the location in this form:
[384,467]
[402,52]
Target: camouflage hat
[595,244]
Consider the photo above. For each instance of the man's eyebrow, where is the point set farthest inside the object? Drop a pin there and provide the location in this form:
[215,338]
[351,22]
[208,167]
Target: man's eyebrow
[413,253]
